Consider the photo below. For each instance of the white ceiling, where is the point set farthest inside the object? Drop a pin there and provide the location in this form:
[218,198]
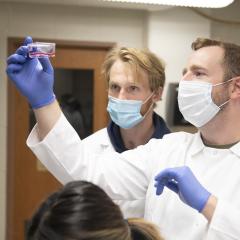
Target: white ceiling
[93,3]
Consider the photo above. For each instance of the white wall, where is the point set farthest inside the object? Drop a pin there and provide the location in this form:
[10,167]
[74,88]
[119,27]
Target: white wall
[170,34]
[224,31]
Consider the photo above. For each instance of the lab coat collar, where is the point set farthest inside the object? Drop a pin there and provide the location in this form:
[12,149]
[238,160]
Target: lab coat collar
[116,139]
[198,145]
[105,141]
[236,149]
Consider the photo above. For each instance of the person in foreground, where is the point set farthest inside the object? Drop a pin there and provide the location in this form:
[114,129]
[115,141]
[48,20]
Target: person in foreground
[83,211]
[196,175]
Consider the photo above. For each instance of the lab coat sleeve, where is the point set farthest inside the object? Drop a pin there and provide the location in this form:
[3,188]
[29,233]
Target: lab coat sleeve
[225,224]
[64,154]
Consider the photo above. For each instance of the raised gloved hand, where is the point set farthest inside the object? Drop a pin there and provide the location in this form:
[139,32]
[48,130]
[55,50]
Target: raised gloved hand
[182,181]
[32,76]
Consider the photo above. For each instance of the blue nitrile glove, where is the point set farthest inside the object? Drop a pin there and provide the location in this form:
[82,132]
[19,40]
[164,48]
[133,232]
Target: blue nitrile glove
[182,181]
[32,76]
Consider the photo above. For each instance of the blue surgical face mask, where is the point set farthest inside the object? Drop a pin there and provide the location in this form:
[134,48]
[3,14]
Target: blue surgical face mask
[126,113]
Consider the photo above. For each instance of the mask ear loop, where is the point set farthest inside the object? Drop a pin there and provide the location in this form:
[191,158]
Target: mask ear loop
[224,103]
[149,107]
[218,84]
[147,98]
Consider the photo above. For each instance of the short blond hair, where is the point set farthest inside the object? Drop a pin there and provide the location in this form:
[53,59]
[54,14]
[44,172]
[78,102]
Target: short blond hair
[137,59]
[143,228]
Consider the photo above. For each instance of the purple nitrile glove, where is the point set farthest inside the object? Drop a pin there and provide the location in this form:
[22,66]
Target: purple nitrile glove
[33,77]
[182,181]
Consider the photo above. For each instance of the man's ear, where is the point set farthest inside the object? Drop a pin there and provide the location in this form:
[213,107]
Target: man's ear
[236,88]
[158,94]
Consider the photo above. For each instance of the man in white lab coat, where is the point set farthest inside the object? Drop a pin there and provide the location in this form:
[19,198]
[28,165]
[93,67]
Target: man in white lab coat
[135,80]
[196,175]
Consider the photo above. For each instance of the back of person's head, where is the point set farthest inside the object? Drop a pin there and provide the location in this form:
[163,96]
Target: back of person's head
[80,210]
[231,56]
[137,59]
[83,211]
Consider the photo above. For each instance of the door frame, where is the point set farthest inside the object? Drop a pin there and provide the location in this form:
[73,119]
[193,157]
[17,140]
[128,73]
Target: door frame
[11,116]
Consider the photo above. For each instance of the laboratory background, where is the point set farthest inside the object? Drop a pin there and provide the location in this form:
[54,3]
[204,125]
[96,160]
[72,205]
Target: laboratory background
[84,30]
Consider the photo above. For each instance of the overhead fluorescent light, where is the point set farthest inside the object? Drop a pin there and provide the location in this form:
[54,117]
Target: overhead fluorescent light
[182,3]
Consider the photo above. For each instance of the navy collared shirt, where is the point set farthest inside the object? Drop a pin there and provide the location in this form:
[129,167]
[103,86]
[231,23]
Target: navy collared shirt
[116,138]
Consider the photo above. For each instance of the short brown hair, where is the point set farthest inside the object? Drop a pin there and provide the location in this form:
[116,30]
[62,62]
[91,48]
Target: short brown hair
[231,59]
[137,58]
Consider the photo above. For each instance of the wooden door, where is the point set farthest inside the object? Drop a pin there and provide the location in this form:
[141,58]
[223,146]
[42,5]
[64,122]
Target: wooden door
[28,183]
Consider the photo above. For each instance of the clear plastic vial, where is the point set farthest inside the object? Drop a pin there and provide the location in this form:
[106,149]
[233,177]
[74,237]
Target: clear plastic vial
[41,49]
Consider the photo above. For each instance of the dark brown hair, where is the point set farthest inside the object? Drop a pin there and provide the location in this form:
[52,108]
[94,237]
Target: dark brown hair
[83,211]
[231,59]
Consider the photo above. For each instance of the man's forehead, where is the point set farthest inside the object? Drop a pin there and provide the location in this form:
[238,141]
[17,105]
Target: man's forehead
[133,77]
[209,52]
[122,81]
[206,56]
[129,81]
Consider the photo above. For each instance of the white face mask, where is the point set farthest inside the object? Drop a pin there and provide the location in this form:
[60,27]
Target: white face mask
[195,101]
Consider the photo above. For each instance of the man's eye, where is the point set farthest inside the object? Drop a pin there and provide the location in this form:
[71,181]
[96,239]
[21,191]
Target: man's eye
[199,73]
[133,88]
[113,87]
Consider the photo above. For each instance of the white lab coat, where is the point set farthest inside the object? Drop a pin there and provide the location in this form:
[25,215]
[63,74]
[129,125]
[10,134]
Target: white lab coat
[130,176]
[100,144]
